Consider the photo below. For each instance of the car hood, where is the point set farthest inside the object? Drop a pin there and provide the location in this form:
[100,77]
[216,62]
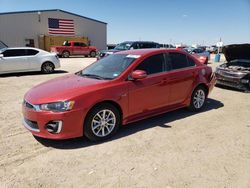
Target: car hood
[113,50]
[62,88]
[236,51]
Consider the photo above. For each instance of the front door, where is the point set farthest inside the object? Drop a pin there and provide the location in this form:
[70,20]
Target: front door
[151,92]
[14,60]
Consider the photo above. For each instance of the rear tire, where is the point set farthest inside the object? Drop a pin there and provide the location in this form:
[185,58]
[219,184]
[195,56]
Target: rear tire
[198,99]
[92,54]
[47,67]
[102,122]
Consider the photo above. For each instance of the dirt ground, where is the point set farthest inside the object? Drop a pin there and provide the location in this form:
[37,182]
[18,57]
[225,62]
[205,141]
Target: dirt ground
[177,149]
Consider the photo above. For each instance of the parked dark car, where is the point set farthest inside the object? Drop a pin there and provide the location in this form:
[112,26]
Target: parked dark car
[199,53]
[166,46]
[128,45]
[236,71]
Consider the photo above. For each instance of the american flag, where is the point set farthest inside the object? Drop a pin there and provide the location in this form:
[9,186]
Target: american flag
[61,27]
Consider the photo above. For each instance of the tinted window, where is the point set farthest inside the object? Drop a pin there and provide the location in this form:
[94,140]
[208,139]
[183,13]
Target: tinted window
[148,45]
[153,64]
[31,52]
[135,46]
[191,62]
[77,44]
[14,52]
[178,60]
[198,50]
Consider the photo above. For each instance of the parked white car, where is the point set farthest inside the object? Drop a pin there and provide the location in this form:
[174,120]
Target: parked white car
[25,59]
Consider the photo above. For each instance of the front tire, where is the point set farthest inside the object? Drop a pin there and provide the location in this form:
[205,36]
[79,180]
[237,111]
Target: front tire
[198,99]
[47,67]
[102,122]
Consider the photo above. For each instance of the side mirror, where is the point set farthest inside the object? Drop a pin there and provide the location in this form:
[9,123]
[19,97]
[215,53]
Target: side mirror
[138,74]
[1,56]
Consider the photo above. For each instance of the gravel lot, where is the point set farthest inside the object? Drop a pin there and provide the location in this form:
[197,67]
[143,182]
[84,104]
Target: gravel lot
[177,149]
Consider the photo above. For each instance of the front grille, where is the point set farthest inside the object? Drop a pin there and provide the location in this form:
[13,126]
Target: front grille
[230,74]
[31,124]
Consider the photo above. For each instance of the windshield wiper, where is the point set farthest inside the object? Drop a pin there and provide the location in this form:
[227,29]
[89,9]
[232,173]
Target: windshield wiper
[94,76]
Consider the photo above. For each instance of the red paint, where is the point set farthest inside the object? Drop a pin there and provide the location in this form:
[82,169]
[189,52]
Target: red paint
[73,49]
[138,99]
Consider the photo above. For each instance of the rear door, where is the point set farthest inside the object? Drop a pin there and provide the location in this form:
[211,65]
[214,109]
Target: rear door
[33,59]
[76,50]
[181,77]
[80,48]
[14,60]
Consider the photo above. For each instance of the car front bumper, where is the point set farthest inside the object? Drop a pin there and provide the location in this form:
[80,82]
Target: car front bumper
[231,81]
[70,123]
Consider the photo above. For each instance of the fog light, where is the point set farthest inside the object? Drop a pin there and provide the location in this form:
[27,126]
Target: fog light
[54,127]
[244,81]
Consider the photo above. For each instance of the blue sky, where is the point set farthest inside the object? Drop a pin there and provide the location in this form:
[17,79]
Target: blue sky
[164,21]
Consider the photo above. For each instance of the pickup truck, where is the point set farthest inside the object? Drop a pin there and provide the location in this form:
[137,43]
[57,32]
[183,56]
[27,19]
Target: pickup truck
[74,48]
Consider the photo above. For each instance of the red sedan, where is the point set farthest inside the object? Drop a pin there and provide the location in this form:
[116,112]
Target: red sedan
[122,88]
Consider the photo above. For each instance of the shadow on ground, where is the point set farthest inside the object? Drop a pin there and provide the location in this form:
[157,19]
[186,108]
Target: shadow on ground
[163,121]
[31,73]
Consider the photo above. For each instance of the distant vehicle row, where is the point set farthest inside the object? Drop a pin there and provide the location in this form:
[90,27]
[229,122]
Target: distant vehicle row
[25,59]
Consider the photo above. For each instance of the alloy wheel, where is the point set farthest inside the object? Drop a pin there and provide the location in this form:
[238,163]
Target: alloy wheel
[199,98]
[103,123]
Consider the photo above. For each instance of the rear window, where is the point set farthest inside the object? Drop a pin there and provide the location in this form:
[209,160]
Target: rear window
[31,52]
[178,60]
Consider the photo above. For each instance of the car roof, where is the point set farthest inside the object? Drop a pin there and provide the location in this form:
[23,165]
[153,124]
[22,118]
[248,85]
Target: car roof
[148,51]
[138,42]
[22,48]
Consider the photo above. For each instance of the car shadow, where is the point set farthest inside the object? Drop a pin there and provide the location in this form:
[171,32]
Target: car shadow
[19,74]
[163,121]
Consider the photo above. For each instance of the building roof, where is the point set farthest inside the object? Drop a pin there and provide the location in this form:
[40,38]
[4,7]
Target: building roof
[50,10]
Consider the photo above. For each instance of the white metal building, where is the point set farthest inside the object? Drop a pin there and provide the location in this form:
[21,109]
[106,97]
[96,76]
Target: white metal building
[24,28]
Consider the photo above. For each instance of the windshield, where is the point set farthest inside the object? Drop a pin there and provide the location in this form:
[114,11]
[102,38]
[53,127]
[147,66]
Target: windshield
[109,67]
[123,46]
[3,45]
[2,50]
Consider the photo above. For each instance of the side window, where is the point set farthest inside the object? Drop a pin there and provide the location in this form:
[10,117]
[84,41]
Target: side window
[148,45]
[134,46]
[153,64]
[178,60]
[77,44]
[83,44]
[30,52]
[14,53]
[191,62]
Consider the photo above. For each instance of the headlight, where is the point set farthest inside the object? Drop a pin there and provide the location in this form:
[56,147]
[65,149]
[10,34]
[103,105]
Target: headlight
[58,106]
[244,81]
